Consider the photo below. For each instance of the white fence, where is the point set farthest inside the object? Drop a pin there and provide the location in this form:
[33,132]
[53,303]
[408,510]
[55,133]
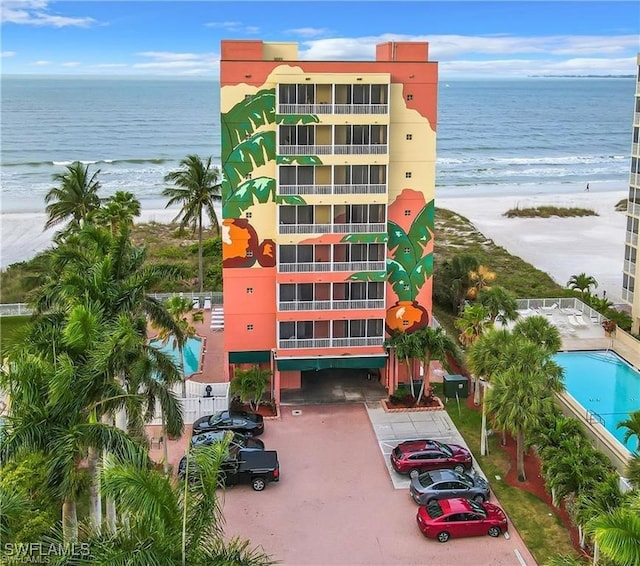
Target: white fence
[202,399]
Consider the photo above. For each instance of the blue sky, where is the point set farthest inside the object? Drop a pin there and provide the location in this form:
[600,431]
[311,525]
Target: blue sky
[182,38]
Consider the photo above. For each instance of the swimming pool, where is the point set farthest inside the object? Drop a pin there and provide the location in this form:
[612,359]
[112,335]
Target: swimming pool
[191,353]
[602,382]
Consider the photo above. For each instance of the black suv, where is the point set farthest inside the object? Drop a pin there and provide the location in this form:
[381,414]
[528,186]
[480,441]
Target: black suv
[253,466]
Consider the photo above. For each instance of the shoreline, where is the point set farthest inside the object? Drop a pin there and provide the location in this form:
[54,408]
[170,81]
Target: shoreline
[562,247]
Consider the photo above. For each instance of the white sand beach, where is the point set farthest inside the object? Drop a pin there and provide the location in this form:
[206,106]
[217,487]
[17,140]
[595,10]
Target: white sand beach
[560,246]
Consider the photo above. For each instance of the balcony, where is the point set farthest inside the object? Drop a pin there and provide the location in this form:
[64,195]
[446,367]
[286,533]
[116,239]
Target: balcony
[355,189]
[635,149]
[629,267]
[633,209]
[634,179]
[359,228]
[327,267]
[364,304]
[333,149]
[636,118]
[302,343]
[328,108]
[631,238]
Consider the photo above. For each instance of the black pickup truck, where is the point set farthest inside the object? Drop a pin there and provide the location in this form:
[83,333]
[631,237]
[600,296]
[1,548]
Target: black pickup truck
[255,467]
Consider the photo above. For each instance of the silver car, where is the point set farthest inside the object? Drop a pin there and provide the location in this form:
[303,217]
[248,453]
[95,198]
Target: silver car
[445,484]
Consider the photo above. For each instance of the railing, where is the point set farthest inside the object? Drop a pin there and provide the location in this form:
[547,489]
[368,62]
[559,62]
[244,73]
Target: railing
[633,208]
[360,228]
[634,179]
[636,118]
[328,108]
[629,266]
[631,238]
[593,416]
[327,266]
[339,149]
[363,304]
[303,343]
[358,189]
[627,296]
[22,309]
[635,149]
[568,305]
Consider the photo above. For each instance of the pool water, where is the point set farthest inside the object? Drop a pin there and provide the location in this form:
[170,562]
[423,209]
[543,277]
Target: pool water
[605,384]
[191,353]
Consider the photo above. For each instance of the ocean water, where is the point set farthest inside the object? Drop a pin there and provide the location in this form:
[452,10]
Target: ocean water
[498,134]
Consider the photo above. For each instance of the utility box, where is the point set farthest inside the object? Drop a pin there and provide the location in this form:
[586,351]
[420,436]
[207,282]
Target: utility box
[455,384]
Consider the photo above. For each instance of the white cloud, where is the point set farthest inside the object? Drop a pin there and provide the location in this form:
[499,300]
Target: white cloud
[308,32]
[499,55]
[38,13]
[7,54]
[163,62]
[236,27]
[110,66]
[42,63]
[71,64]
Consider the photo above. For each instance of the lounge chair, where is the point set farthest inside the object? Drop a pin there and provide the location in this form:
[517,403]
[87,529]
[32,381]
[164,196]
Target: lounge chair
[207,304]
[572,320]
[196,302]
[581,321]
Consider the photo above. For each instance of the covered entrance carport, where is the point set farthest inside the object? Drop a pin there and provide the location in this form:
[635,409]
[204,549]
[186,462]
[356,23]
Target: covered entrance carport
[339,381]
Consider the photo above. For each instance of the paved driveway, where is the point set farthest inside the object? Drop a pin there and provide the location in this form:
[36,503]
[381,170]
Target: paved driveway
[335,504]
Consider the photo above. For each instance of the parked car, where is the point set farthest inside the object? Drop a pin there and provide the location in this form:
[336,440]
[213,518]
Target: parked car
[424,455]
[244,422]
[238,440]
[459,517]
[255,467]
[443,484]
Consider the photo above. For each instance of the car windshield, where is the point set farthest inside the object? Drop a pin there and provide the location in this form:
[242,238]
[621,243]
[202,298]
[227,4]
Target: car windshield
[477,508]
[434,510]
[444,448]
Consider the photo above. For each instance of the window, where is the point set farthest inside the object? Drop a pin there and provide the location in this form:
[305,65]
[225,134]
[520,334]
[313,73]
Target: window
[247,176]
[407,175]
[288,292]
[249,253]
[248,214]
[249,327]
[409,96]
[409,136]
[407,213]
[249,290]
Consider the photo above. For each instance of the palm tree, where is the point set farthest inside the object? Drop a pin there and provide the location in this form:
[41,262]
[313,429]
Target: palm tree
[617,533]
[523,394]
[540,331]
[480,279]
[169,522]
[119,209]
[632,424]
[487,355]
[76,197]
[197,187]
[250,384]
[49,416]
[500,303]
[407,348]
[473,322]
[583,283]
[434,344]
[633,470]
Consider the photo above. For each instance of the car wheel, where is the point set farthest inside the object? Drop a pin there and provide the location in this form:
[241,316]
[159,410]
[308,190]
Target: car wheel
[258,484]
[414,473]
[458,468]
[479,498]
[494,532]
[443,536]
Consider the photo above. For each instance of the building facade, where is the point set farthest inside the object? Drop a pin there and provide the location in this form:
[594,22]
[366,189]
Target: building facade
[327,205]
[631,270]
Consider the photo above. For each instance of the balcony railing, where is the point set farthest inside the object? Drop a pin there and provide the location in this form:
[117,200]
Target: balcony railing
[634,179]
[364,304]
[295,343]
[328,108]
[635,149]
[629,266]
[631,239]
[360,228]
[636,119]
[633,209]
[327,266]
[627,296]
[335,149]
[358,189]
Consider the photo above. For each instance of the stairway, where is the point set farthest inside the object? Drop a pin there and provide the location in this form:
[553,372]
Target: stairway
[217,318]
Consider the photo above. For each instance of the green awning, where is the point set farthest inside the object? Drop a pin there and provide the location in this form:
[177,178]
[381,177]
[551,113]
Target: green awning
[346,362]
[250,357]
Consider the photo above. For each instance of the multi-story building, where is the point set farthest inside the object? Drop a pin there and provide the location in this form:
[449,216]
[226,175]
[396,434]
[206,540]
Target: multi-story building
[328,206]
[631,270]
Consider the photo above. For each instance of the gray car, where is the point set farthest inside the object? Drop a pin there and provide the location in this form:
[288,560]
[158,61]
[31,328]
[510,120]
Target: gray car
[445,484]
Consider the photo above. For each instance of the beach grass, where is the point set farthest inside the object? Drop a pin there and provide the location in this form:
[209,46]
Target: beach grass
[548,212]
[542,531]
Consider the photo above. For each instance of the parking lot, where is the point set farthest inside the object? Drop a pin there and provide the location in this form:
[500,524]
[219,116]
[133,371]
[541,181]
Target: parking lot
[338,503]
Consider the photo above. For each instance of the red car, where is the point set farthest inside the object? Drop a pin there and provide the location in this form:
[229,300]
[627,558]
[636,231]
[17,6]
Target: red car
[460,517]
[425,455]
